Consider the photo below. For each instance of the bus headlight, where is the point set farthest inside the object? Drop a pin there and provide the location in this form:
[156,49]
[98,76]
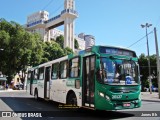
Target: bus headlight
[107,97]
[101,94]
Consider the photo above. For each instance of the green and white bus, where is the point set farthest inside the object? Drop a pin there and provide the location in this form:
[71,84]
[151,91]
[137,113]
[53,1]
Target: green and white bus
[99,78]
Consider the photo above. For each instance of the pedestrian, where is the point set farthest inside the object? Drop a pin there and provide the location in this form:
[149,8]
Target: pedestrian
[6,86]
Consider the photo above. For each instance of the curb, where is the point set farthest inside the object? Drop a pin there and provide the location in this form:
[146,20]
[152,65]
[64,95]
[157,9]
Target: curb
[150,100]
[12,90]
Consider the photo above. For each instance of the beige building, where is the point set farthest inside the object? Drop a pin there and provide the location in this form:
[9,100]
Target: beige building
[41,23]
[89,40]
[55,33]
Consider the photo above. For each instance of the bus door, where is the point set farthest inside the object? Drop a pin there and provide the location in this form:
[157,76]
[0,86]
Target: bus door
[31,82]
[88,81]
[47,82]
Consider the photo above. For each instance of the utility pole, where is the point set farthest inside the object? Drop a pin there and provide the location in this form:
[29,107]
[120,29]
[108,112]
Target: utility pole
[158,64]
[149,66]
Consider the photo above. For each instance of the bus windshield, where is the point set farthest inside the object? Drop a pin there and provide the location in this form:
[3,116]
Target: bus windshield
[118,71]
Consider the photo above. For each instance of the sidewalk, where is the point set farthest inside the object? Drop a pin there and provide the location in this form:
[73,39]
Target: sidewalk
[146,96]
[11,90]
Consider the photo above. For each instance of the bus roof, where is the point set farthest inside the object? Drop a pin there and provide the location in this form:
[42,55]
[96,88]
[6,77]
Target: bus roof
[54,61]
[106,49]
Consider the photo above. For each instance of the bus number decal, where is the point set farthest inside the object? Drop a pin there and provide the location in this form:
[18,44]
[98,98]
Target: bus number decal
[116,96]
[70,83]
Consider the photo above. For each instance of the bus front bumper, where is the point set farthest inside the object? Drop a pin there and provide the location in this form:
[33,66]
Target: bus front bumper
[118,105]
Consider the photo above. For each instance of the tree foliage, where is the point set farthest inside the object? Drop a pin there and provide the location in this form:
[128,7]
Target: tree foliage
[76,45]
[60,41]
[144,70]
[52,50]
[20,49]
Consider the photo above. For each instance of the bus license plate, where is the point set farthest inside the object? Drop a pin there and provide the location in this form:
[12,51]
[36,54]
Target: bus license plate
[126,104]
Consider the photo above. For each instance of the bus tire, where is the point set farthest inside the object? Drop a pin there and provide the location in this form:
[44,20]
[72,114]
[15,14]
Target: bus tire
[71,99]
[36,95]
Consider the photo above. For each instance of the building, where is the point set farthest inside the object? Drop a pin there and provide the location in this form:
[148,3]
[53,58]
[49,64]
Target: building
[41,23]
[55,33]
[81,43]
[84,41]
[35,22]
[89,40]
[34,17]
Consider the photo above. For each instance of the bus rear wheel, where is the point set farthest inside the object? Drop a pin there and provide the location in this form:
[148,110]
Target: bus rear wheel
[36,95]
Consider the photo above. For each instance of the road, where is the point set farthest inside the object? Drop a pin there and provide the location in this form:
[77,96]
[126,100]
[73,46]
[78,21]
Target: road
[25,106]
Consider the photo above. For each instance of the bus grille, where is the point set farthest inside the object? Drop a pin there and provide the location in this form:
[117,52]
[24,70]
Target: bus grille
[123,90]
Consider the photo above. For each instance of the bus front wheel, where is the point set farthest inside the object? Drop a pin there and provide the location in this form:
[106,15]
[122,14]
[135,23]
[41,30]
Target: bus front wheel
[36,95]
[71,99]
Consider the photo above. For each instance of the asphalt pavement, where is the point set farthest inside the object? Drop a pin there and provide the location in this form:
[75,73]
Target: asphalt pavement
[145,96]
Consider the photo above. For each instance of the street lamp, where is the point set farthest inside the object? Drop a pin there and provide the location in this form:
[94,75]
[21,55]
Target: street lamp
[149,67]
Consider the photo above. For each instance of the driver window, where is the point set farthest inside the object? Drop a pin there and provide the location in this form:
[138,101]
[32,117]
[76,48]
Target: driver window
[110,67]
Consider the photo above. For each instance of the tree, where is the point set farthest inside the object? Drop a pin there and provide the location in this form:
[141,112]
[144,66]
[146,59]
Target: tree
[60,41]
[4,41]
[143,63]
[52,51]
[76,45]
[37,50]
[68,51]
[21,48]
[154,70]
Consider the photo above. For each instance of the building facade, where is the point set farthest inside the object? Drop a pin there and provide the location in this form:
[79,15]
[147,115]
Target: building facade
[89,40]
[41,23]
[55,33]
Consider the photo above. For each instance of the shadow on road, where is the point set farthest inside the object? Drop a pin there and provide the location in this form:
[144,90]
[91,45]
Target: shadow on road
[51,109]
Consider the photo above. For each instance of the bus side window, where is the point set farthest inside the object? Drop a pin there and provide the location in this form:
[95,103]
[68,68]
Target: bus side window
[55,71]
[41,73]
[63,69]
[29,75]
[36,74]
[74,67]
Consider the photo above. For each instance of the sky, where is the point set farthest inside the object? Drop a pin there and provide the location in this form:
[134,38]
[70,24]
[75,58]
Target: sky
[111,22]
